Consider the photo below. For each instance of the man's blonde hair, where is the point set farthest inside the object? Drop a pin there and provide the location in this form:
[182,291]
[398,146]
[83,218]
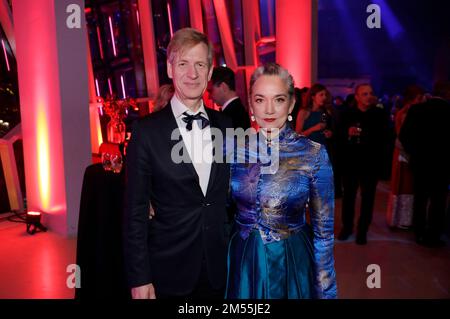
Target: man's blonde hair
[185,39]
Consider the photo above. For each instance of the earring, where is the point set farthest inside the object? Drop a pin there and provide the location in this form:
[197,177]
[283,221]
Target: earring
[289,118]
[253,118]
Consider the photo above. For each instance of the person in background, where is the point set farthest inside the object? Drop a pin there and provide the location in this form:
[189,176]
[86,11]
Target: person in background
[425,135]
[165,93]
[222,89]
[366,130]
[400,202]
[314,119]
[317,121]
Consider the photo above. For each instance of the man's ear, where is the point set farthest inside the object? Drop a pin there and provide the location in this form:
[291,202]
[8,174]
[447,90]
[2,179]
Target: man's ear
[169,69]
[224,87]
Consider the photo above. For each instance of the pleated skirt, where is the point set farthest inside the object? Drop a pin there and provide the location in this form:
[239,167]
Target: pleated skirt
[278,270]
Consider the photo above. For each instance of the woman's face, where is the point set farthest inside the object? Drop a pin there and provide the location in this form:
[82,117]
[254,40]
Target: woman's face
[270,102]
[319,98]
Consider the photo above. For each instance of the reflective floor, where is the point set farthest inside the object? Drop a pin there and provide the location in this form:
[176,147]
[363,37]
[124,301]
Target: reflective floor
[35,266]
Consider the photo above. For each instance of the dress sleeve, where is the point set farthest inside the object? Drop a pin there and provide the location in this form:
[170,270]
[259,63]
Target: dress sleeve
[321,207]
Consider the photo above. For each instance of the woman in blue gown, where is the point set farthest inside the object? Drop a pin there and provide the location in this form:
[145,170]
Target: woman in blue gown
[273,252]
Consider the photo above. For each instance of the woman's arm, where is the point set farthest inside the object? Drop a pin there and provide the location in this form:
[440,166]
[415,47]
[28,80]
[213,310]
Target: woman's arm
[301,118]
[321,207]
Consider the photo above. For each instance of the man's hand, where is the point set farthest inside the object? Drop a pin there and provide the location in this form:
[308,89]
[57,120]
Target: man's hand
[143,292]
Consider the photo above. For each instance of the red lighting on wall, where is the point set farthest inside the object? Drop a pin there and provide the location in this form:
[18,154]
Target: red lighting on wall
[43,157]
[294,48]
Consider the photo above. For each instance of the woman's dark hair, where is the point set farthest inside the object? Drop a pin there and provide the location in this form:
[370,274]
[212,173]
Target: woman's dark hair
[316,88]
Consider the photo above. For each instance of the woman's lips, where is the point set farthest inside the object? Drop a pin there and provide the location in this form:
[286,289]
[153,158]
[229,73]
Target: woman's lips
[269,120]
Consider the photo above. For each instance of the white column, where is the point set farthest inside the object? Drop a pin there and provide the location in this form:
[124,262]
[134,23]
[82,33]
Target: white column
[295,38]
[195,14]
[226,34]
[54,101]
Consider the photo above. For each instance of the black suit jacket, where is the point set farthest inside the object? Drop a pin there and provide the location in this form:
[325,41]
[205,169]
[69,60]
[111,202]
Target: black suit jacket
[425,135]
[366,154]
[168,249]
[238,114]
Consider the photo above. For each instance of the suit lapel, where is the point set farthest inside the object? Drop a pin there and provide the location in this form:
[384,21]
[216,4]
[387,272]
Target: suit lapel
[213,124]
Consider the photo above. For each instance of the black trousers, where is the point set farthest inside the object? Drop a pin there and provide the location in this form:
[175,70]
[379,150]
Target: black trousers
[203,289]
[367,182]
[430,195]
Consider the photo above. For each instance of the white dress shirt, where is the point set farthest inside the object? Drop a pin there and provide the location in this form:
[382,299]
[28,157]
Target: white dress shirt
[198,142]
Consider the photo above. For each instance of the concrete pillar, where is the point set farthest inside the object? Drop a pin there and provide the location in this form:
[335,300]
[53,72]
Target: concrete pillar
[53,87]
[226,34]
[296,38]
[195,14]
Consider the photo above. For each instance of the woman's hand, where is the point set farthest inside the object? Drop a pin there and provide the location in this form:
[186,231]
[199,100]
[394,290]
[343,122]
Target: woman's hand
[318,127]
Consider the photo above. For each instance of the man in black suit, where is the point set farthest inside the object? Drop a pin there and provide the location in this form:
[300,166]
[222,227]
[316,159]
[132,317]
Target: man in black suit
[364,133]
[181,251]
[425,136]
[222,89]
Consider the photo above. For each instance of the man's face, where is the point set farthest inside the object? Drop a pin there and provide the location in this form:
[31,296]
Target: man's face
[364,97]
[190,73]
[216,93]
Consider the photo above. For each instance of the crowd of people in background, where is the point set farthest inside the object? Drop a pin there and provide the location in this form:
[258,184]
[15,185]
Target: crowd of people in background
[362,134]
[402,139]
[211,215]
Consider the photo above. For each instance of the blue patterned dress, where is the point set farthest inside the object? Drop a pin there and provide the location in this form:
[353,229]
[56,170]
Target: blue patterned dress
[273,252]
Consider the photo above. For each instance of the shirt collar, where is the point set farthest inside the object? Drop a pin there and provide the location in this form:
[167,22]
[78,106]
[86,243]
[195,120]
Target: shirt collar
[228,102]
[178,108]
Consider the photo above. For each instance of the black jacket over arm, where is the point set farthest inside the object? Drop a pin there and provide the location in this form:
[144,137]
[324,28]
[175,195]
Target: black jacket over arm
[168,249]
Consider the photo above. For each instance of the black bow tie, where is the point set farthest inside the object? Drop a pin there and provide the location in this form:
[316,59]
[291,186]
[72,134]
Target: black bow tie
[188,119]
